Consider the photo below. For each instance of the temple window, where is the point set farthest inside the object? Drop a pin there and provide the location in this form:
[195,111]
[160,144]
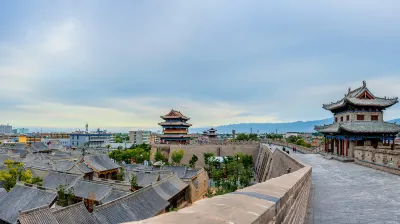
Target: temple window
[336,119]
[360,117]
[341,118]
[347,117]
[374,117]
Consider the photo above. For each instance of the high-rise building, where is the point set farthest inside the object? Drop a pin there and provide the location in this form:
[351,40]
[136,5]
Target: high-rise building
[20,131]
[139,137]
[5,129]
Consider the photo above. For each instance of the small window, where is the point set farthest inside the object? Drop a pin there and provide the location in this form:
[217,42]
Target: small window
[374,117]
[360,117]
[335,119]
[348,118]
[341,118]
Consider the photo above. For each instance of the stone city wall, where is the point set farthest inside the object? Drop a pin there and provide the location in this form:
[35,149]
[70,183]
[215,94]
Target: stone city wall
[250,148]
[282,199]
[299,148]
[382,158]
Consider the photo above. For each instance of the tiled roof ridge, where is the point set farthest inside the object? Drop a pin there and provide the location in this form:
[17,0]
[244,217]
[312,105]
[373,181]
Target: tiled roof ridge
[68,207]
[123,198]
[25,212]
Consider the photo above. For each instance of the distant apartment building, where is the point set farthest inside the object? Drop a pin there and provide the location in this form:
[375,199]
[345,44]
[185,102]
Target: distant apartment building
[20,131]
[93,139]
[5,129]
[62,141]
[139,137]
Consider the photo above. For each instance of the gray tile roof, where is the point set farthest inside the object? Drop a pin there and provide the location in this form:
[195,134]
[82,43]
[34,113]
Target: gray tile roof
[169,187]
[22,198]
[360,127]
[142,204]
[84,168]
[143,178]
[84,189]
[352,97]
[100,162]
[114,194]
[54,179]
[74,214]
[3,194]
[41,215]
[40,147]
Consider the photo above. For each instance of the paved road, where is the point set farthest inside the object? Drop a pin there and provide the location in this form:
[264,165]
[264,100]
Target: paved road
[349,193]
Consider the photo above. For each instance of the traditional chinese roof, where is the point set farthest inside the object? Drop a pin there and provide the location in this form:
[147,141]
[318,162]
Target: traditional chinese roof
[174,114]
[114,194]
[176,136]
[142,204]
[362,96]
[175,124]
[360,127]
[74,214]
[144,179]
[40,147]
[41,215]
[54,179]
[3,193]
[88,189]
[100,163]
[22,198]
[169,187]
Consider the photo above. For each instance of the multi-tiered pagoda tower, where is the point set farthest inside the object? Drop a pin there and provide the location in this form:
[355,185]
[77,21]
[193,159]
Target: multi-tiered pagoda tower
[358,121]
[211,133]
[175,128]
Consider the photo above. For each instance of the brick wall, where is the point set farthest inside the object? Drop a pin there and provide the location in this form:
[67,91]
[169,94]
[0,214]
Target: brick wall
[282,199]
[382,158]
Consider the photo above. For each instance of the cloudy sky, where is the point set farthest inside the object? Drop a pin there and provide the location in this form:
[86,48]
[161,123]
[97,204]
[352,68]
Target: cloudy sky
[125,63]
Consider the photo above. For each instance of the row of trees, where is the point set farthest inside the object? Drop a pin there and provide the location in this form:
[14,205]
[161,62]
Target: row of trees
[247,137]
[298,141]
[14,172]
[137,154]
[233,173]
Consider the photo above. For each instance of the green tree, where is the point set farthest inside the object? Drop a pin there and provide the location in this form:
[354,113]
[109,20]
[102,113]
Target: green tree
[193,160]
[207,156]
[120,147]
[133,181]
[65,198]
[13,172]
[177,156]
[253,137]
[108,146]
[242,137]
[160,157]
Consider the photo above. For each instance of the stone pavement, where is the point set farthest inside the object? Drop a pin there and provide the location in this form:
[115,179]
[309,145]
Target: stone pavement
[350,193]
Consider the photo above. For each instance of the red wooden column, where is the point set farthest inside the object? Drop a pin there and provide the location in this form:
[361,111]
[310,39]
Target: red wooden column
[347,146]
[326,145]
[332,146]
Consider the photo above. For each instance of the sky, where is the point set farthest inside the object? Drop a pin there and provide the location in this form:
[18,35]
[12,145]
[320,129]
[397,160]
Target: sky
[122,64]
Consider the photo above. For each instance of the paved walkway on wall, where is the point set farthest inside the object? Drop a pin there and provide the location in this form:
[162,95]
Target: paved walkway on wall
[350,193]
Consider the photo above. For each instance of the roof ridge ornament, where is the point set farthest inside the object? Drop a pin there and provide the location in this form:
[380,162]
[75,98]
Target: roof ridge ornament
[364,83]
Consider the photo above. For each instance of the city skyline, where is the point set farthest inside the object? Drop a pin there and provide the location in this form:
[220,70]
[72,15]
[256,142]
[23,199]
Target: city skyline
[63,64]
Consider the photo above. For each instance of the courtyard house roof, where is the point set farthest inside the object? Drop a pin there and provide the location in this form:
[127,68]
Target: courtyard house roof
[40,215]
[74,214]
[114,194]
[142,204]
[100,163]
[40,147]
[90,190]
[54,179]
[22,198]
[169,187]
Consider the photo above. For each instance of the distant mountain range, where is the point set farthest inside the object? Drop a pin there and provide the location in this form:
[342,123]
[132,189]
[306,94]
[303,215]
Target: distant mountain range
[298,126]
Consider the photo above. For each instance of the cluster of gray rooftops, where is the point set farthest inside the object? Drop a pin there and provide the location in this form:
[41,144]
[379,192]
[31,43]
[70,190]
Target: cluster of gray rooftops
[114,200]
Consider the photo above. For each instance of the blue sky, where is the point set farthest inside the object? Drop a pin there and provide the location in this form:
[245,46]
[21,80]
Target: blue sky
[125,63]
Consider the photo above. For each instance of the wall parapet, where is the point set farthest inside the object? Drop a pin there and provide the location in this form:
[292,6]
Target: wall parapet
[280,199]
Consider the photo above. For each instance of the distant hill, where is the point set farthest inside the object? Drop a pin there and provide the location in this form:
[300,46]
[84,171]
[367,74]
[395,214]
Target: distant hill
[298,126]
